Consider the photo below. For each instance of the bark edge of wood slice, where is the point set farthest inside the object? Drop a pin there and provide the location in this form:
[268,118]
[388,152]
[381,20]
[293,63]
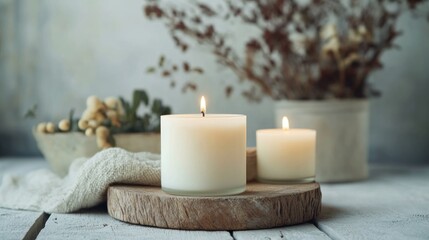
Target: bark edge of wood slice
[261,206]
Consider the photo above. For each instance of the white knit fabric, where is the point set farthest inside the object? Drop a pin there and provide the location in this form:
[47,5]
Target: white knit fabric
[84,186]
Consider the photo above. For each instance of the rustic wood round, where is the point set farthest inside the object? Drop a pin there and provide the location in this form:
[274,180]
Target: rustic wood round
[261,206]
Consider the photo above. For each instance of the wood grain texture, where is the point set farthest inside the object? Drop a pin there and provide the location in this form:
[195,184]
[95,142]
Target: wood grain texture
[96,224]
[15,224]
[392,204]
[261,206]
[302,232]
[251,164]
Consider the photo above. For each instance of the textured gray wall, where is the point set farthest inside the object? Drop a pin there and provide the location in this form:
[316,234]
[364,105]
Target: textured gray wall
[55,53]
[399,123]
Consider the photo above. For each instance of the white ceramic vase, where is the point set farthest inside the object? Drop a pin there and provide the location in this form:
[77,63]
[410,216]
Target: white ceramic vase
[342,135]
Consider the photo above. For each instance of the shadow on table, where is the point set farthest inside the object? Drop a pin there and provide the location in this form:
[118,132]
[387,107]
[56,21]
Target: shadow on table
[330,211]
[100,208]
[377,173]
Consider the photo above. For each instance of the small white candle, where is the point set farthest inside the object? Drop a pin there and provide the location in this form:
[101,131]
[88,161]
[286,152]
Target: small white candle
[286,155]
[203,154]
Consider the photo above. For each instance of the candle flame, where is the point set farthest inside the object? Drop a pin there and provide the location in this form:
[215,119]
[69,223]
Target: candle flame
[285,123]
[203,106]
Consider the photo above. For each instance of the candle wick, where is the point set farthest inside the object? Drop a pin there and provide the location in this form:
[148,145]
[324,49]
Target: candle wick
[204,114]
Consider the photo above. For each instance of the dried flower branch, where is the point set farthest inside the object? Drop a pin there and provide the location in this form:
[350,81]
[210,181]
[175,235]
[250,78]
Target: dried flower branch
[320,50]
[167,70]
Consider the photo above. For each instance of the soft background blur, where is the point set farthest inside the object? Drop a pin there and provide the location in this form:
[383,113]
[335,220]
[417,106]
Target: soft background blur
[56,53]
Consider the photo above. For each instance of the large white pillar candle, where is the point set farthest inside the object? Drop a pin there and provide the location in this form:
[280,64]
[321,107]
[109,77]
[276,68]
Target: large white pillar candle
[203,154]
[286,155]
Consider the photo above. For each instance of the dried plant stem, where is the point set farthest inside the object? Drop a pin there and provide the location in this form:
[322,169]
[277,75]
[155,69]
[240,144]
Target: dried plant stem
[341,74]
[271,60]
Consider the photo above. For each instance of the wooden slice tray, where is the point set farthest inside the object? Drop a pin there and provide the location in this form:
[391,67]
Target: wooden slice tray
[261,206]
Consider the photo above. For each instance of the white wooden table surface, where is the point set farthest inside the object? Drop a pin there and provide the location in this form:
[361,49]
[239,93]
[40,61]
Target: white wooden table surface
[392,204]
